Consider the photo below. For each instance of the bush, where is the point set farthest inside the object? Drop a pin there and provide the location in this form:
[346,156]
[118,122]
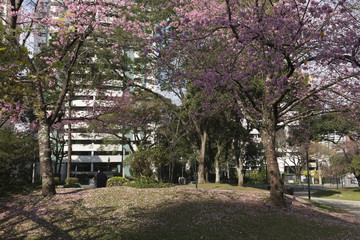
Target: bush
[72,185]
[132,179]
[58,182]
[149,183]
[71,180]
[116,181]
[255,177]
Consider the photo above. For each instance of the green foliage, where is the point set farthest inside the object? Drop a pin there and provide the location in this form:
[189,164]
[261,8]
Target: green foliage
[58,182]
[116,181]
[17,152]
[71,180]
[327,124]
[355,164]
[17,186]
[149,183]
[142,161]
[255,177]
[10,56]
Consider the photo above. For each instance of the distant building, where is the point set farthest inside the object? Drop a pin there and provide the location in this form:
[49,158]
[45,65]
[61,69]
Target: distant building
[88,151]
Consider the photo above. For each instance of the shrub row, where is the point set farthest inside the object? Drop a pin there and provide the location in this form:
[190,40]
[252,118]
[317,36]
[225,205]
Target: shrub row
[149,183]
[116,181]
[72,182]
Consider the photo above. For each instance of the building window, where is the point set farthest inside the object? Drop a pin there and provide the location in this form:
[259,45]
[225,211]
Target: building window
[81,167]
[85,142]
[81,153]
[100,153]
[108,167]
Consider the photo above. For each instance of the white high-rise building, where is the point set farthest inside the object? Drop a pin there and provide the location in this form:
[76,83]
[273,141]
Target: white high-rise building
[88,151]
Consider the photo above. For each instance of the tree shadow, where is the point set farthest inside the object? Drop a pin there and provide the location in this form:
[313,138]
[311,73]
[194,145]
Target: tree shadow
[51,224]
[216,219]
[326,193]
[223,215]
[76,190]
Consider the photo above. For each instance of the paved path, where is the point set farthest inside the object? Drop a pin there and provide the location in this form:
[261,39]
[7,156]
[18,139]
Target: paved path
[352,207]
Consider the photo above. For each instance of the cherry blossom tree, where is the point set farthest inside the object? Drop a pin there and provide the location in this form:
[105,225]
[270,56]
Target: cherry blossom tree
[281,60]
[50,66]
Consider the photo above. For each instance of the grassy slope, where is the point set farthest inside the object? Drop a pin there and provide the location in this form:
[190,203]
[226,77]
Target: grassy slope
[344,194]
[171,213]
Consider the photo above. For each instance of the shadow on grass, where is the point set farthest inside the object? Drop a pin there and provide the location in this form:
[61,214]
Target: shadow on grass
[76,190]
[325,207]
[10,190]
[230,220]
[23,222]
[19,215]
[326,193]
[222,216]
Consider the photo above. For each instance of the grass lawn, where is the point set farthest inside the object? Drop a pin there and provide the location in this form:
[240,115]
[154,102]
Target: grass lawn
[167,213]
[344,194]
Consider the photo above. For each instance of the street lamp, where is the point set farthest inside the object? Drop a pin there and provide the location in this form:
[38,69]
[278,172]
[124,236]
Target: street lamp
[307,166]
[196,175]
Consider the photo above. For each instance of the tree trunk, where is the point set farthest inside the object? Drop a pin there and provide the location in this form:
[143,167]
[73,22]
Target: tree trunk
[68,169]
[48,184]
[299,178]
[239,164]
[172,171]
[268,138]
[227,172]
[239,170]
[217,171]
[320,177]
[201,159]
[217,158]
[56,153]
